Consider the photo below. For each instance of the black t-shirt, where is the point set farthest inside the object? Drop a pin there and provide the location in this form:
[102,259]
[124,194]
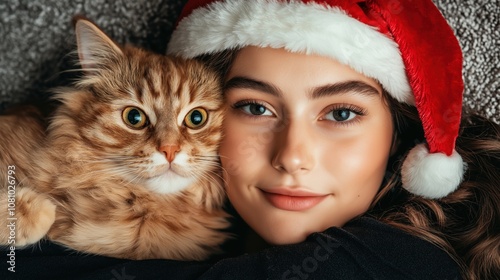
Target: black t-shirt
[363,249]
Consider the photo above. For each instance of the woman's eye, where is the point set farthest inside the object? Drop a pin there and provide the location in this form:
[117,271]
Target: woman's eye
[134,117]
[254,109]
[343,114]
[196,118]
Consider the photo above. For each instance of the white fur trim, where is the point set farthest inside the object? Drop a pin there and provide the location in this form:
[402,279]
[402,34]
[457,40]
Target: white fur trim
[432,175]
[297,27]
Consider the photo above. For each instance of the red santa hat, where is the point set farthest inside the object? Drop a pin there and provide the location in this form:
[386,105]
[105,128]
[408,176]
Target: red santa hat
[406,45]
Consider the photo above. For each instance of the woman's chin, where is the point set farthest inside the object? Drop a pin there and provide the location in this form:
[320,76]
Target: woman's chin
[283,236]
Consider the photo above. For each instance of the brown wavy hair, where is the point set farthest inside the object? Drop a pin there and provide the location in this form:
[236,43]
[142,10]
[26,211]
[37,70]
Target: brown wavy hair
[466,223]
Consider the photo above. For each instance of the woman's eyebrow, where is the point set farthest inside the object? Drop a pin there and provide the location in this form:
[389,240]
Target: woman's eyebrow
[249,83]
[344,87]
[322,91]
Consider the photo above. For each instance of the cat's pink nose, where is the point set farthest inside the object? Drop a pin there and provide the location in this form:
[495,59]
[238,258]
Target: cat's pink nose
[170,151]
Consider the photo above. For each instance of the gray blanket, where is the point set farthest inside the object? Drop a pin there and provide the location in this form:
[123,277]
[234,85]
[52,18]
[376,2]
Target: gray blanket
[36,37]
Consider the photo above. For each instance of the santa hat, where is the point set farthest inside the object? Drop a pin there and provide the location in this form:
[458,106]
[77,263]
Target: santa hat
[406,45]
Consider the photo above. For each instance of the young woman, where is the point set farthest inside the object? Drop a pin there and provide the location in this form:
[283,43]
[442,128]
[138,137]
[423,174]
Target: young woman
[346,109]
[344,149]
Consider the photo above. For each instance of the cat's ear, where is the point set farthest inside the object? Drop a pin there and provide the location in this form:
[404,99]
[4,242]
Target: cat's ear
[95,48]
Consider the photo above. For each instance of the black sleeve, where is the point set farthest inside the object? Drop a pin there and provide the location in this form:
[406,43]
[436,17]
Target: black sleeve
[363,249]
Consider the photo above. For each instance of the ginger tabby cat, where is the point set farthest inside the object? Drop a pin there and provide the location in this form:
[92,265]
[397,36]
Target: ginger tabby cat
[128,165]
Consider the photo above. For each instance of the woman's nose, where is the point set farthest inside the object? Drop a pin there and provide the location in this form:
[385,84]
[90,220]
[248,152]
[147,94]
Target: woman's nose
[293,151]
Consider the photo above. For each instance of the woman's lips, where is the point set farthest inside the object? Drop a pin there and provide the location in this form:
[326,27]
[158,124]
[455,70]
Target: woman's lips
[293,200]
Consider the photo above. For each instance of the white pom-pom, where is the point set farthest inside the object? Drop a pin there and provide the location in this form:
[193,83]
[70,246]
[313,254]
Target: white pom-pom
[432,175]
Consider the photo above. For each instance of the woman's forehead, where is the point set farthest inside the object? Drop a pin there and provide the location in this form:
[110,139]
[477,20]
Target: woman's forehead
[280,66]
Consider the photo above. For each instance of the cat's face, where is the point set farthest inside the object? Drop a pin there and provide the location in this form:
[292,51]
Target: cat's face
[151,119]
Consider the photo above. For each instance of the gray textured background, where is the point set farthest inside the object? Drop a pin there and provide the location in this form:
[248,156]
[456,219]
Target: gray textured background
[36,37]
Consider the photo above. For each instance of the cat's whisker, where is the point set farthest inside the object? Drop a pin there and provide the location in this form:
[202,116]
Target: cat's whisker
[117,159]
[210,178]
[137,177]
[200,169]
[205,177]
[111,168]
[124,175]
[117,171]
[207,165]
[215,158]
[197,173]
[116,162]
[221,176]
[207,159]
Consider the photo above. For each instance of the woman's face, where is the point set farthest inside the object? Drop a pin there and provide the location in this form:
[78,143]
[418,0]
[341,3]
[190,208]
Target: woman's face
[306,142]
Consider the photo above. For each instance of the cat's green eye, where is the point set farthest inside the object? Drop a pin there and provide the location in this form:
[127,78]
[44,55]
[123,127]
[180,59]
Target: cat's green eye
[134,117]
[196,118]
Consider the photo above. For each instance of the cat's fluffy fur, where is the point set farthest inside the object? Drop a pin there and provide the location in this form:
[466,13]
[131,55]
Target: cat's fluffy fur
[95,183]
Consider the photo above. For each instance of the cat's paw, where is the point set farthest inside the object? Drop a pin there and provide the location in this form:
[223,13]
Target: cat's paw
[34,212]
